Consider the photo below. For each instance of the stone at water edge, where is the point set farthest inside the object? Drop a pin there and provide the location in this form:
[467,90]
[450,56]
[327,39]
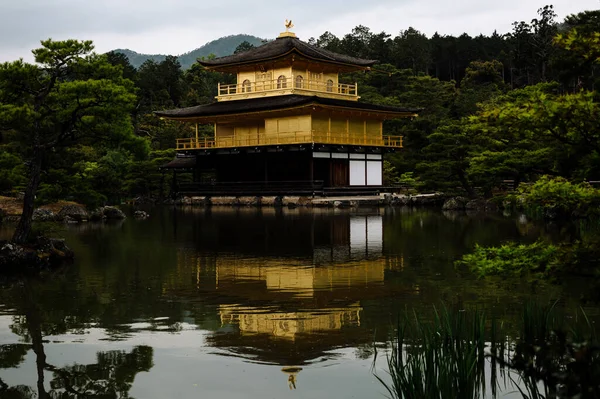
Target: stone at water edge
[113,213]
[97,215]
[43,215]
[481,205]
[45,252]
[74,212]
[455,204]
[141,215]
[249,201]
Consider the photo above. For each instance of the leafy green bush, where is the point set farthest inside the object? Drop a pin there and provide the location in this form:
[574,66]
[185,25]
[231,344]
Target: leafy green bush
[546,260]
[510,259]
[557,197]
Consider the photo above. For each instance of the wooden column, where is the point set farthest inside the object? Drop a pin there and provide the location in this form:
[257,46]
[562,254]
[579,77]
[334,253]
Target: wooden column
[311,168]
[265,158]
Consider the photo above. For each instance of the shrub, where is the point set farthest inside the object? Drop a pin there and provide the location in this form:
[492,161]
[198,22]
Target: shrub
[510,259]
[557,197]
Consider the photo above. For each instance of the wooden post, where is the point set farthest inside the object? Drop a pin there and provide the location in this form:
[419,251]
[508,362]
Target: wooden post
[196,145]
[174,185]
[312,172]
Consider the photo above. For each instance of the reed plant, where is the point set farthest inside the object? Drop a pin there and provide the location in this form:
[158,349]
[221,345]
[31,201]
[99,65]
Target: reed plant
[442,358]
[448,355]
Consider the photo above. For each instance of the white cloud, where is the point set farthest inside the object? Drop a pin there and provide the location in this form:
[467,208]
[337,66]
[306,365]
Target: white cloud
[178,26]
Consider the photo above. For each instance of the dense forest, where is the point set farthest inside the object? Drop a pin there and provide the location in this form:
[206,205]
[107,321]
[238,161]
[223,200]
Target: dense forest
[513,106]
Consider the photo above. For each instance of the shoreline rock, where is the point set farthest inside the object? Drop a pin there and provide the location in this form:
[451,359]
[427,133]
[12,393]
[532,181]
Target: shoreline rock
[43,254]
[419,200]
[43,215]
[73,212]
[141,215]
[455,204]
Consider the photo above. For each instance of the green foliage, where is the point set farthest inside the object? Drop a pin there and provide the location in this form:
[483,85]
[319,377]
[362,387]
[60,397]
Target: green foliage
[12,172]
[243,46]
[390,174]
[558,195]
[510,259]
[446,158]
[534,131]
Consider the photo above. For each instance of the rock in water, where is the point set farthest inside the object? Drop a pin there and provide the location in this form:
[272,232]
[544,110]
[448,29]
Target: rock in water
[74,212]
[43,215]
[107,213]
[141,215]
[44,253]
[455,204]
[113,213]
[97,215]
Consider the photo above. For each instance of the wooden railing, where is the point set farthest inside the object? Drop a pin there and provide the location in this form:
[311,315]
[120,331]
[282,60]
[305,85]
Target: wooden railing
[288,83]
[300,137]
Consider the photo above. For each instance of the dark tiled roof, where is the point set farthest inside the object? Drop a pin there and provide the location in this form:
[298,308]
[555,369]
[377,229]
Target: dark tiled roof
[181,163]
[282,46]
[274,103]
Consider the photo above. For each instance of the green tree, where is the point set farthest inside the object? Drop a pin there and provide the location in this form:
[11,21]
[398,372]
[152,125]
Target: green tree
[411,50]
[534,131]
[70,95]
[243,46]
[447,158]
[579,51]
[482,82]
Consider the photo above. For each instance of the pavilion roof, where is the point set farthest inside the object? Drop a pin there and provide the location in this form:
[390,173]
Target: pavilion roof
[283,46]
[180,163]
[278,103]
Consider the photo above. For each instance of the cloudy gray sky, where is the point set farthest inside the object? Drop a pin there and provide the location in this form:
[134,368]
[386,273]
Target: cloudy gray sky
[178,26]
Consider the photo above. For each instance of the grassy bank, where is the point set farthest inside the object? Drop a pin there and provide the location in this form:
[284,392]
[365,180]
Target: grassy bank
[14,207]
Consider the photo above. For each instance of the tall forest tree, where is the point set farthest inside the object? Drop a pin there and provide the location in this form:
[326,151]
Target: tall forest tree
[70,95]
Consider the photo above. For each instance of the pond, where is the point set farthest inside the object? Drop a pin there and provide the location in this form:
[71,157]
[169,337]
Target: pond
[247,303]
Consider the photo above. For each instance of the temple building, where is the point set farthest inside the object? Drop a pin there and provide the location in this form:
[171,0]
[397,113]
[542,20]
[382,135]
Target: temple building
[289,125]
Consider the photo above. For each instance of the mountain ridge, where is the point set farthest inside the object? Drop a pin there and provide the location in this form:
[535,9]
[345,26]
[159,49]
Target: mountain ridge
[220,47]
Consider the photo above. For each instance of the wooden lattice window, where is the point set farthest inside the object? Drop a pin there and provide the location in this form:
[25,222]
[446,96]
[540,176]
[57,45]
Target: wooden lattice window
[246,86]
[299,82]
[281,82]
[330,85]
[264,81]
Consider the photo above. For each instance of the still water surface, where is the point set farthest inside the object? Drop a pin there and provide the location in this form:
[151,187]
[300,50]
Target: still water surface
[244,303]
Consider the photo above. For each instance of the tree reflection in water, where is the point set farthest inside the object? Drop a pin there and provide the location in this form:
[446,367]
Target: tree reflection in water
[110,377]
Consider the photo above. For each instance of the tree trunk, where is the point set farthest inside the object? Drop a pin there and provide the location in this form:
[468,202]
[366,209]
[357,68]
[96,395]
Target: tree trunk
[466,185]
[24,227]
[34,328]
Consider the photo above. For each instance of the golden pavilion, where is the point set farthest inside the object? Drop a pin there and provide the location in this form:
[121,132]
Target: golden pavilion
[288,126]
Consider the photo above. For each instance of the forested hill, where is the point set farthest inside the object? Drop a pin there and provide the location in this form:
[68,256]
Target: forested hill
[220,47]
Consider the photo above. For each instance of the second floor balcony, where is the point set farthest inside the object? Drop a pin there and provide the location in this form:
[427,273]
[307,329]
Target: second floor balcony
[287,85]
[299,137]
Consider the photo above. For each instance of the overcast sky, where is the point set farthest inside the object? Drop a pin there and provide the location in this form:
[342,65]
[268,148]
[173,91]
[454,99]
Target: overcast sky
[179,26]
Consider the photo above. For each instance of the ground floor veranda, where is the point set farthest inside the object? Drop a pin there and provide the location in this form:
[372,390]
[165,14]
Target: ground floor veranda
[280,170]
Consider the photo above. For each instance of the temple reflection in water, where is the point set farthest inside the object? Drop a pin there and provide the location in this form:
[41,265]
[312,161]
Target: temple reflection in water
[287,289]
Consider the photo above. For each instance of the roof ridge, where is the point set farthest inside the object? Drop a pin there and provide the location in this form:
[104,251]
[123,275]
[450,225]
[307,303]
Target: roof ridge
[317,49]
[283,46]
